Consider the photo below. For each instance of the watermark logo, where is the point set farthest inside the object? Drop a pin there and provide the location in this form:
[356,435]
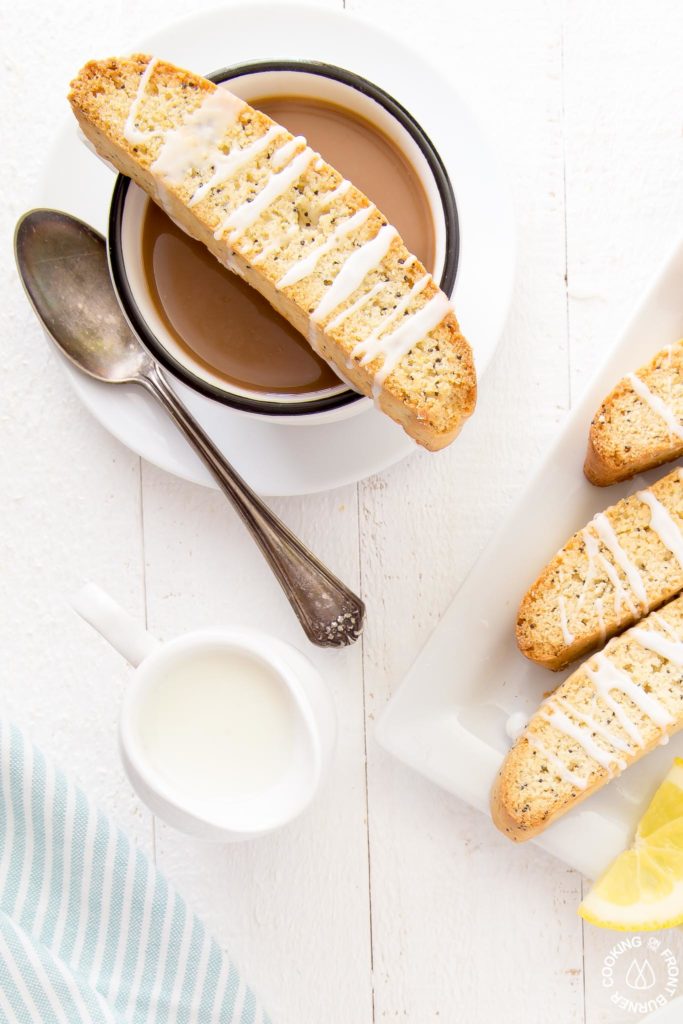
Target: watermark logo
[640,974]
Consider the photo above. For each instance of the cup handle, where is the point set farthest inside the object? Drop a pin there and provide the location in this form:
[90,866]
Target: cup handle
[121,630]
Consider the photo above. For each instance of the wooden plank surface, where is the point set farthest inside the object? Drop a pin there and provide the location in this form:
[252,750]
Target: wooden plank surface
[475,893]
[390,900]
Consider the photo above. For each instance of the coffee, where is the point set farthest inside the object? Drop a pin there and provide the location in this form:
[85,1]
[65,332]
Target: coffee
[222,324]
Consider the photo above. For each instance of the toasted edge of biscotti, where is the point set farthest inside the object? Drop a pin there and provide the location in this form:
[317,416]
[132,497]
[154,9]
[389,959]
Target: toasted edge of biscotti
[432,417]
[545,643]
[627,436]
[520,830]
[520,806]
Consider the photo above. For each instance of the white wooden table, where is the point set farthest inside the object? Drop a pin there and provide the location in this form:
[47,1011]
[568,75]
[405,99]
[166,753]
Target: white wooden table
[390,900]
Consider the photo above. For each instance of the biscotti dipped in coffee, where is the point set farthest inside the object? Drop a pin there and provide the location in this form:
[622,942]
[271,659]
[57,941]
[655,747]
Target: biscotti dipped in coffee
[625,562]
[640,423]
[608,714]
[271,210]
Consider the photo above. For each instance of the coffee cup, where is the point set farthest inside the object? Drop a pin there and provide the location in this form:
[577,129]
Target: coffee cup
[225,734]
[344,91]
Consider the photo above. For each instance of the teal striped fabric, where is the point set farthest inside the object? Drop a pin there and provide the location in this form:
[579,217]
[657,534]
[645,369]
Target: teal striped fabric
[90,931]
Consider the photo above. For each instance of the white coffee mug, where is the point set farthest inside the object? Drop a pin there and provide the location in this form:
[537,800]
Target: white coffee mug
[225,734]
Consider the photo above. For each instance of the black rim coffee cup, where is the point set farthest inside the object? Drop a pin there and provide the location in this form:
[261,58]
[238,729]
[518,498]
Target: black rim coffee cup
[259,78]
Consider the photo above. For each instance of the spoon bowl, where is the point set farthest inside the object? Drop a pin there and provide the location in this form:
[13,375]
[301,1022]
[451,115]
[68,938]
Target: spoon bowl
[63,266]
[61,263]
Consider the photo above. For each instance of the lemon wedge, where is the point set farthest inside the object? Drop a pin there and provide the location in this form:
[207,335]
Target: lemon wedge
[642,890]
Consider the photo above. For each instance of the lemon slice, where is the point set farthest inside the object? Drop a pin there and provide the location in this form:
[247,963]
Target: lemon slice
[642,890]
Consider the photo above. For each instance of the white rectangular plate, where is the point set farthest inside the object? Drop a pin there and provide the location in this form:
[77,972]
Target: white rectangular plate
[447,719]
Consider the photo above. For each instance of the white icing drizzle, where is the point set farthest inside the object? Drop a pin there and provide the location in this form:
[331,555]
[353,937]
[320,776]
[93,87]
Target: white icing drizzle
[668,362]
[629,727]
[326,200]
[262,256]
[355,306]
[307,264]
[563,723]
[606,676]
[284,153]
[592,551]
[228,165]
[567,636]
[657,404]
[564,773]
[409,261]
[237,222]
[664,525]
[595,557]
[354,271]
[274,246]
[265,253]
[670,650]
[607,535]
[516,724]
[391,347]
[625,721]
[599,608]
[373,346]
[399,342]
[664,625]
[131,133]
[195,146]
[595,726]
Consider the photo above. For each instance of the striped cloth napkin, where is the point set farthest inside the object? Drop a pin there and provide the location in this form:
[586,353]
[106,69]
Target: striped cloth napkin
[90,931]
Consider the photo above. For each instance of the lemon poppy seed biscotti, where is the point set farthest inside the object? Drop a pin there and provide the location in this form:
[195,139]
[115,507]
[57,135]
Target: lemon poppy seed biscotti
[608,714]
[640,423]
[271,210]
[625,562]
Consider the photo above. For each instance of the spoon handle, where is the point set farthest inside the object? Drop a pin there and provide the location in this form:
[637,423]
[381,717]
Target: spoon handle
[330,613]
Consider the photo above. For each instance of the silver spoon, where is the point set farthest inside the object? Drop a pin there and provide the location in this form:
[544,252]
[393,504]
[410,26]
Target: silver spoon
[63,267]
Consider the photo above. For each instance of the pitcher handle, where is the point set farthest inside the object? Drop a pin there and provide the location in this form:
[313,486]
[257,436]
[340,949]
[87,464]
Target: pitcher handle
[121,630]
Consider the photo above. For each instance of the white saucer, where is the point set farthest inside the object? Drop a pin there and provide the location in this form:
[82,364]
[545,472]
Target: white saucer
[279,458]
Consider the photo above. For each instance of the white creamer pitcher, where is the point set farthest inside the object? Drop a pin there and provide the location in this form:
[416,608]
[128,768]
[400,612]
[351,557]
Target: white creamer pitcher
[226,734]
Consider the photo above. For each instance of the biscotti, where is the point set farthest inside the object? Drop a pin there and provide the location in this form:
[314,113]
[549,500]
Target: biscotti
[609,713]
[271,210]
[640,423]
[625,562]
